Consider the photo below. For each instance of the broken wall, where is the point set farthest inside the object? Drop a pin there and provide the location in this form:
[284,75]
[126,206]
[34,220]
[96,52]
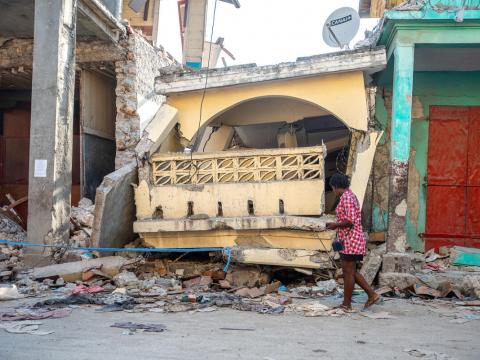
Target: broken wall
[429,88]
[137,102]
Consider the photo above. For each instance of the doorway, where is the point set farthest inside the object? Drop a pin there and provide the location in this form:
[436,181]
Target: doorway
[453,177]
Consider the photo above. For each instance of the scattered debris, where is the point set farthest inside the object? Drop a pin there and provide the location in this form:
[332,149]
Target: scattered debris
[24,327]
[11,256]
[465,256]
[237,329]
[82,289]
[33,314]
[309,309]
[378,315]
[428,355]
[137,326]
[72,271]
[125,278]
[9,292]
[425,290]
[81,218]
[370,267]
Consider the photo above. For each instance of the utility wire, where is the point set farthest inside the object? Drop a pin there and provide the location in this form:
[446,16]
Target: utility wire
[194,166]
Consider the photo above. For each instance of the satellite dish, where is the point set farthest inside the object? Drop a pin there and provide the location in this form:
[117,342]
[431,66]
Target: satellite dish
[341,27]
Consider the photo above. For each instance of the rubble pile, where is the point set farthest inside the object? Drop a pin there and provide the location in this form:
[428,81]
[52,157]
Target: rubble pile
[171,284]
[82,223]
[11,256]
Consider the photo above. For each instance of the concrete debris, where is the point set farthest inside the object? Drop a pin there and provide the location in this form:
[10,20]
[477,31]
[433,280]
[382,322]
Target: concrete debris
[33,314]
[370,267]
[326,287]
[143,327]
[470,285]
[82,223]
[427,354]
[249,277]
[251,293]
[313,309]
[397,280]
[10,256]
[24,327]
[378,315]
[198,281]
[110,265]
[125,279]
[9,292]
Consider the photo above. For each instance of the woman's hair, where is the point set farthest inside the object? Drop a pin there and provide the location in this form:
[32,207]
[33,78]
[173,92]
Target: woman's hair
[339,181]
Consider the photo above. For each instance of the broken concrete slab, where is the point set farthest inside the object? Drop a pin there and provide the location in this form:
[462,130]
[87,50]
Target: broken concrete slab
[362,162]
[110,265]
[234,223]
[399,280]
[247,276]
[280,239]
[157,131]
[216,138]
[197,281]
[250,292]
[115,208]
[396,262]
[309,259]
[371,266]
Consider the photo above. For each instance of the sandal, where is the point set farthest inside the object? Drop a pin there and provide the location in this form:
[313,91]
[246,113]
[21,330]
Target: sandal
[343,307]
[371,302]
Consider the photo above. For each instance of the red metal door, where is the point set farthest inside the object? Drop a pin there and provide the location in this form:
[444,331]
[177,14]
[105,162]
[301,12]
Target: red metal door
[453,177]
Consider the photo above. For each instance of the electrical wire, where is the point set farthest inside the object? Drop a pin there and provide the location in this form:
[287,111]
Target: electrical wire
[193,165]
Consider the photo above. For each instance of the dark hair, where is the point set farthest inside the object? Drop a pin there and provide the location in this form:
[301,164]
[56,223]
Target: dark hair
[339,181]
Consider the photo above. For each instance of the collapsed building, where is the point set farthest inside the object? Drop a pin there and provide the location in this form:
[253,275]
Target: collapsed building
[261,149]
[258,155]
[239,158]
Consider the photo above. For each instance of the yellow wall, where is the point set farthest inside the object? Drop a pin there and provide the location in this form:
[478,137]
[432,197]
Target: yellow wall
[136,19]
[342,95]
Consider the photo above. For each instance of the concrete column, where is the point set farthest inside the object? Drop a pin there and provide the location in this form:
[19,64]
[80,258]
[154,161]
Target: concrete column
[53,84]
[400,147]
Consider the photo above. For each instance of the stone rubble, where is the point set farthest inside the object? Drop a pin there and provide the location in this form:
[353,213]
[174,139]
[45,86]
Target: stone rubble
[81,228]
[11,256]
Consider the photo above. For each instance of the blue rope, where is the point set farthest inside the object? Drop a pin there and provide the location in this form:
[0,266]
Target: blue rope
[229,258]
[139,250]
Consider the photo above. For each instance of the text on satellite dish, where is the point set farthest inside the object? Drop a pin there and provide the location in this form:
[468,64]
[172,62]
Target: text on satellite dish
[341,20]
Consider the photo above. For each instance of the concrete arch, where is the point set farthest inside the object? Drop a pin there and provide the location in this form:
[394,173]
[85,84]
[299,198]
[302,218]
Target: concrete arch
[342,95]
[267,109]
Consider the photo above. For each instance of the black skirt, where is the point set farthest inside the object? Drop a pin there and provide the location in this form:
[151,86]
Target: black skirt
[351,257]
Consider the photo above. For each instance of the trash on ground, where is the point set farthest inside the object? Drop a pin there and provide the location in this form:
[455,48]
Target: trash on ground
[138,326]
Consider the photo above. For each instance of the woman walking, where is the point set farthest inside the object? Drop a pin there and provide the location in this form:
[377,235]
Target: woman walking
[350,234]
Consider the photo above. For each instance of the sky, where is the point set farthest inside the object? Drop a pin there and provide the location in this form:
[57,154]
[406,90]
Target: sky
[263,31]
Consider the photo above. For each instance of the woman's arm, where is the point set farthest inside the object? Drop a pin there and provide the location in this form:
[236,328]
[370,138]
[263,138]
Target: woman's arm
[339,225]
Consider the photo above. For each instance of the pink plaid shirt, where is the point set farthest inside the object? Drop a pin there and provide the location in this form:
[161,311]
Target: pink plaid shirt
[353,239]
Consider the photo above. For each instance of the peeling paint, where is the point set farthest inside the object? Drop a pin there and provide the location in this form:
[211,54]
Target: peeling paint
[401,209]
[417,108]
[379,219]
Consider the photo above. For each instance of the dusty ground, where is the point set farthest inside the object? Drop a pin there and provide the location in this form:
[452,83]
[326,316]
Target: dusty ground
[86,334]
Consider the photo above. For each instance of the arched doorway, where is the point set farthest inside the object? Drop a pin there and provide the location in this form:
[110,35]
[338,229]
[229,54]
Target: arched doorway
[278,122]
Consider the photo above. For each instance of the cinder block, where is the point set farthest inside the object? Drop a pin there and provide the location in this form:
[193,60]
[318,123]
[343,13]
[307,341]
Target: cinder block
[396,263]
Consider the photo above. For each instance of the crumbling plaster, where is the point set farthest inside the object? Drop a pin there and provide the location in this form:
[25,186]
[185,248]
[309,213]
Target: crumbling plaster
[137,103]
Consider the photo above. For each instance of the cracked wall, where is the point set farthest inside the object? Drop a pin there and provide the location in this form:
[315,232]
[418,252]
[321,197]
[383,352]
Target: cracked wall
[137,103]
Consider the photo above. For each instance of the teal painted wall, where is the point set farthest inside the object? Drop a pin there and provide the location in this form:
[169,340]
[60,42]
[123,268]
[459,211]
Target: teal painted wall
[429,88]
